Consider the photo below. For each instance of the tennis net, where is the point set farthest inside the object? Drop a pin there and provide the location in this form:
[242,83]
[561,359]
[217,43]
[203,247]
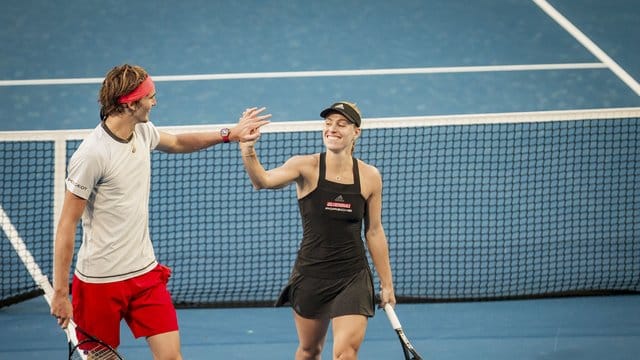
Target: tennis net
[475,207]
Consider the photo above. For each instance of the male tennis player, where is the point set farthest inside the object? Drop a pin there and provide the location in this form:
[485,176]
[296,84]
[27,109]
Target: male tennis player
[331,280]
[116,274]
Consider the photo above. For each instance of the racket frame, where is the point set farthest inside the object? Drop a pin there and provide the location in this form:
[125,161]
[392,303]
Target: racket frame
[106,349]
[72,327]
[410,352]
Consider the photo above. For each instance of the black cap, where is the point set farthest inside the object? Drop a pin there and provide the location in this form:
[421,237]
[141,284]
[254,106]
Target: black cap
[345,109]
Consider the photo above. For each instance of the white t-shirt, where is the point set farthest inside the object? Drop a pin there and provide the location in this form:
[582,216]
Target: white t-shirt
[115,178]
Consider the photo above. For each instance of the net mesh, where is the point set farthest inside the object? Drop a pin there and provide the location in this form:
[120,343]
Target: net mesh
[513,206]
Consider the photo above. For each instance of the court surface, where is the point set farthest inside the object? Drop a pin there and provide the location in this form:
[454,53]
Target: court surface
[558,328]
[212,59]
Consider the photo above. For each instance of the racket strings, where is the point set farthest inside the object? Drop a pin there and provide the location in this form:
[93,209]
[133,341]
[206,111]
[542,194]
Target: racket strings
[95,352]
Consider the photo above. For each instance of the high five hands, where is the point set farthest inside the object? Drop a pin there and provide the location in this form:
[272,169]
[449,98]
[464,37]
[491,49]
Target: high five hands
[249,124]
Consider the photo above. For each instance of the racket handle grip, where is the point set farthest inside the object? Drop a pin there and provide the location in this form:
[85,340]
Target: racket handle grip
[393,318]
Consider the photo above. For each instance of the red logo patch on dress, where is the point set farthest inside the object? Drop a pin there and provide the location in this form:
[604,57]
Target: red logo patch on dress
[338,204]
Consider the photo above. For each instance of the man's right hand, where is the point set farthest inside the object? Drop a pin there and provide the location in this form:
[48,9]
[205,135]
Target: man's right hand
[61,308]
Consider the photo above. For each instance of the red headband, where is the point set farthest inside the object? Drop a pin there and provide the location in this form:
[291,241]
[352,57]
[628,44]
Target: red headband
[144,89]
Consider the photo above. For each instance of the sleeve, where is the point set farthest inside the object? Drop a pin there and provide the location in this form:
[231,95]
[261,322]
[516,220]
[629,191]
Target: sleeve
[150,134]
[84,172]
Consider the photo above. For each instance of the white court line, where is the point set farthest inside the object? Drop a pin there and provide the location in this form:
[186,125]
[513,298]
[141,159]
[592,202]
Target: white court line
[61,136]
[590,45]
[25,255]
[32,267]
[295,74]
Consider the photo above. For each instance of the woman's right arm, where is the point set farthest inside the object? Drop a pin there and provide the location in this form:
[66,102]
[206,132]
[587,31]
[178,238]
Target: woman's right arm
[275,178]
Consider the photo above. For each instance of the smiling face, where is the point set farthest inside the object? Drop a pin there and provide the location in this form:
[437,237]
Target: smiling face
[143,108]
[339,133]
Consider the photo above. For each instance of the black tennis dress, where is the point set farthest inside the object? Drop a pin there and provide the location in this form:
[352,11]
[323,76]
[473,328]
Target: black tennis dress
[331,276]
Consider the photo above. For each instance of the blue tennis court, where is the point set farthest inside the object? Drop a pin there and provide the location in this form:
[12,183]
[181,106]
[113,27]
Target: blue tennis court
[567,328]
[397,61]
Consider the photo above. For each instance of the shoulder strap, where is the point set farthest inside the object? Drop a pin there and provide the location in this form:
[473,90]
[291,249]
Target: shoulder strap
[322,168]
[356,174]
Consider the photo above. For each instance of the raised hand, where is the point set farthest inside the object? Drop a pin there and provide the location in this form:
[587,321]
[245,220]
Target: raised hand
[249,124]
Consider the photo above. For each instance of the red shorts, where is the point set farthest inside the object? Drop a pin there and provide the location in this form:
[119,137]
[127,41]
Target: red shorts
[143,301]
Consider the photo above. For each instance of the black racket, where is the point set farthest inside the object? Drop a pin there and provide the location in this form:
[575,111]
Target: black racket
[409,351]
[89,347]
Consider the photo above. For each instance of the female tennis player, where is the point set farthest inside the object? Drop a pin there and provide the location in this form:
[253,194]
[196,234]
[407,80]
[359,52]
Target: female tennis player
[331,281]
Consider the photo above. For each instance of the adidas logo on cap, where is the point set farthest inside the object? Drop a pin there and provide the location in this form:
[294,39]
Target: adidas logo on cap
[345,109]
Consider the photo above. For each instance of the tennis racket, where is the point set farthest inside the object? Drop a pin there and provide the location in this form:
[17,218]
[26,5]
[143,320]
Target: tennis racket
[409,351]
[90,347]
